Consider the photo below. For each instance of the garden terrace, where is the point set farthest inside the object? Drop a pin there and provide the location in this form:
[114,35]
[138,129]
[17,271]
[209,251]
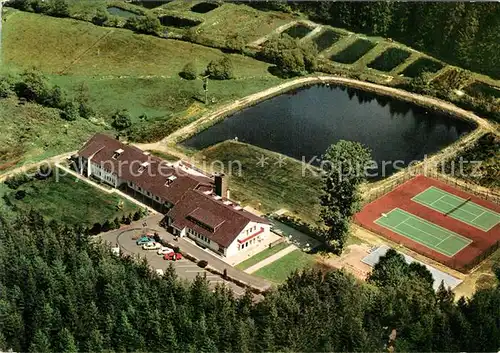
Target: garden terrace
[353,52]
[422,65]
[326,39]
[389,59]
[179,22]
[478,89]
[299,30]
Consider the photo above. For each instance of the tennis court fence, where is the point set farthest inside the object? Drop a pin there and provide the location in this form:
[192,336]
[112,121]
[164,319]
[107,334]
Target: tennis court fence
[394,181]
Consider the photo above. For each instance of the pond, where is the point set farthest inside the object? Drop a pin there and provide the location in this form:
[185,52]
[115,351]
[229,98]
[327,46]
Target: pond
[204,7]
[150,4]
[178,22]
[116,11]
[303,123]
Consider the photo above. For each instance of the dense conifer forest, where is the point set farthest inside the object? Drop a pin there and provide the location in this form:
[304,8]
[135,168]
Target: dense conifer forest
[60,291]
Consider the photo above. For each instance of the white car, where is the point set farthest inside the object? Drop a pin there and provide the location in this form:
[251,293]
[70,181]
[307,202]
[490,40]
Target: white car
[164,250]
[151,246]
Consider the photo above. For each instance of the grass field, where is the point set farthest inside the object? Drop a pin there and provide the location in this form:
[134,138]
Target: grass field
[279,270]
[261,256]
[422,65]
[424,232]
[63,199]
[120,69]
[166,156]
[389,59]
[458,208]
[269,188]
[353,52]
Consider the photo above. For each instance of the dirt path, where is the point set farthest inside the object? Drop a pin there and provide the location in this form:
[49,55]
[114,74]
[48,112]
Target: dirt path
[271,259]
[24,168]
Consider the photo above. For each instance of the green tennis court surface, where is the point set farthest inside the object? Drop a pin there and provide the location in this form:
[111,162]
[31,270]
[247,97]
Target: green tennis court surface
[458,208]
[424,232]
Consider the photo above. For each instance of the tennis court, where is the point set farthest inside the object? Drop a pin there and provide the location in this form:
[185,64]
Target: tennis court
[458,208]
[424,232]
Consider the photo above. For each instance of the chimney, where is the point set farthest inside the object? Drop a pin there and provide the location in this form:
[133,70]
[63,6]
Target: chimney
[220,185]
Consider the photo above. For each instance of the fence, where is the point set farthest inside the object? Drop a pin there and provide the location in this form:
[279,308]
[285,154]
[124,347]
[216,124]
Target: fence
[468,267]
[393,182]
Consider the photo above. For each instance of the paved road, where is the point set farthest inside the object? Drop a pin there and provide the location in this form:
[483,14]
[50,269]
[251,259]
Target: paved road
[185,269]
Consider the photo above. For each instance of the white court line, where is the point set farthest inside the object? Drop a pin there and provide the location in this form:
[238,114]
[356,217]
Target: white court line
[442,241]
[478,216]
[432,203]
[472,204]
[396,226]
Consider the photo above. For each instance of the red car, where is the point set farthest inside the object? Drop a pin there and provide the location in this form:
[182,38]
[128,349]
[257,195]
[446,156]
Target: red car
[172,256]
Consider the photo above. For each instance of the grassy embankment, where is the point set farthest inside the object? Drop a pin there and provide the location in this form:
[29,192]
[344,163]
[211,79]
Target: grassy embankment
[120,69]
[70,201]
[267,188]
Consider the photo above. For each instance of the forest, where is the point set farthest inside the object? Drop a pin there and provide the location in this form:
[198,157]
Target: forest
[463,34]
[61,291]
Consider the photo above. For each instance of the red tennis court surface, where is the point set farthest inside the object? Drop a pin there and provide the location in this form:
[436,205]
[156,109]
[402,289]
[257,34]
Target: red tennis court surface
[483,242]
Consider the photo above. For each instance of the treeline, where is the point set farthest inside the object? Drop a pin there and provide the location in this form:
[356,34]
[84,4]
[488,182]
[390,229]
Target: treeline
[32,86]
[61,292]
[465,34]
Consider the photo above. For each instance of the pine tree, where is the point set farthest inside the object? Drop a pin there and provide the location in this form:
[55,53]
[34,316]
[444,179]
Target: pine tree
[40,343]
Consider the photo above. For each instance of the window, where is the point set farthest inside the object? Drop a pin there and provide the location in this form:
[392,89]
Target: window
[246,244]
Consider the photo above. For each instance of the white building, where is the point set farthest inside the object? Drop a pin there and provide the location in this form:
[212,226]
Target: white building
[194,203]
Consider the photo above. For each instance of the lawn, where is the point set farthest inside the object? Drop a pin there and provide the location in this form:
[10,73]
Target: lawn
[389,59]
[70,201]
[279,270]
[422,65]
[266,188]
[354,52]
[164,155]
[261,256]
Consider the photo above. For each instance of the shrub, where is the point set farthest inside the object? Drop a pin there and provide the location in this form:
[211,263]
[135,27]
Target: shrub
[290,56]
[100,18]
[86,110]
[20,194]
[56,98]
[16,181]
[189,71]
[6,87]
[176,249]
[143,24]
[202,263]
[59,8]
[221,69]
[71,111]
[122,120]
[33,86]
[137,216]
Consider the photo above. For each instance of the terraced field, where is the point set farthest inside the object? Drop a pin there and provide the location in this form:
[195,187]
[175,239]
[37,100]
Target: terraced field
[353,52]
[422,65]
[389,59]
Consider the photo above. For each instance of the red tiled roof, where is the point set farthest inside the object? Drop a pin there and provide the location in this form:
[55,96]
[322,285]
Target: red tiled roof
[234,220]
[153,179]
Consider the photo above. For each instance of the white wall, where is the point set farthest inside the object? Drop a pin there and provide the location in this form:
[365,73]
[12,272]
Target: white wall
[252,228]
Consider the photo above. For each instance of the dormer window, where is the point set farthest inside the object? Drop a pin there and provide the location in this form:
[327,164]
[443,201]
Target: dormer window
[170,180]
[143,167]
[117,153]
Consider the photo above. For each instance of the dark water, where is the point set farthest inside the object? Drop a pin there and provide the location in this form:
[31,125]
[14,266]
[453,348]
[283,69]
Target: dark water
[304,123]
[298,31]
[116,11]
[204,7]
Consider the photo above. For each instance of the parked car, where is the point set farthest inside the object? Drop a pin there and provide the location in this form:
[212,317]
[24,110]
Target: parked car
[151,246]
[164,250]
[173,256]
[143,240]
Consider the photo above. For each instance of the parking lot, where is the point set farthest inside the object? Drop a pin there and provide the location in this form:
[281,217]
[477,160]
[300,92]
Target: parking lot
[185,269]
